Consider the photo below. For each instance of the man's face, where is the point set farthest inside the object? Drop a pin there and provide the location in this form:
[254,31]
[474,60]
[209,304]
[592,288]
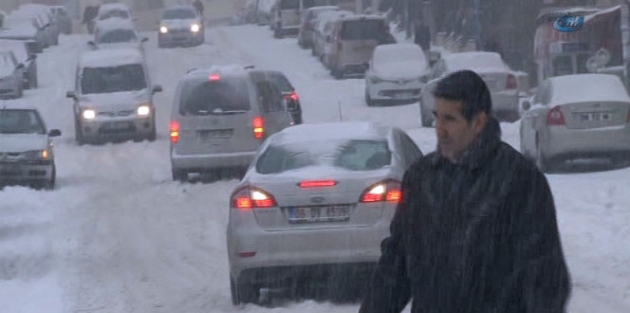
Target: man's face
[455,134]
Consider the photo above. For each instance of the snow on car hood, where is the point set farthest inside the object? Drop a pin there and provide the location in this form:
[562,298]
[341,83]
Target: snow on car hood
[22,142]
[118,100]
[178,24]
[400,70]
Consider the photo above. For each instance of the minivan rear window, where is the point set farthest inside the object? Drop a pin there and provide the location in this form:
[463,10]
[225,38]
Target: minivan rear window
[363,30]
[206,97]
[290,4]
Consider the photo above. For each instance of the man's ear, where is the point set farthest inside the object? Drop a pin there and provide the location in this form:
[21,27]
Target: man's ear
[479,122]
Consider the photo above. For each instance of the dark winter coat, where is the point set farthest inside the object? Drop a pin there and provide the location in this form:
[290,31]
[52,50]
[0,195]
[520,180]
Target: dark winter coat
[422,36]
[199,6]
[475,237]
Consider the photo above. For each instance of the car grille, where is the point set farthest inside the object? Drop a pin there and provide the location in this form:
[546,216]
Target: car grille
[116,113]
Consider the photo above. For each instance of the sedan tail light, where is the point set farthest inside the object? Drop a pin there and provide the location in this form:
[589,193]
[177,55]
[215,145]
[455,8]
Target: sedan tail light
[510,83]
[251,198]
[386,191]
[259,127]
[174,129]
[555,117]
[292,97]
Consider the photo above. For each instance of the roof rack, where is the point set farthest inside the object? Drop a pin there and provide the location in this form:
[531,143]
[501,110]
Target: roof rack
[249,67]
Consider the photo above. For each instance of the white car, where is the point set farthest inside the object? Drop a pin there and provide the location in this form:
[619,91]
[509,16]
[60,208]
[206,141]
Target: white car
[113,10]
[26,148]
[11,75]
[315,204]
[395,73]
[577,116]
[503,83]
[117,33]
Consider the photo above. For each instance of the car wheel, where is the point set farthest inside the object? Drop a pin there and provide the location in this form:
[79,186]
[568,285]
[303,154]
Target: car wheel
[50,185]
[179,175]
[541,162]
[153,135]
[337,74]
[243,292]
[78,134]
[277,33]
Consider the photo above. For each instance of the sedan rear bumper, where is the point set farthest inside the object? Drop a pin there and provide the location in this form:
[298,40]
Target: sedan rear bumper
[202,162]
[561,142]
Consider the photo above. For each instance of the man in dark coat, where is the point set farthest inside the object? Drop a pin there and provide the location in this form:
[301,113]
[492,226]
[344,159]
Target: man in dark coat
[476,231]
[422,35]
[199,6]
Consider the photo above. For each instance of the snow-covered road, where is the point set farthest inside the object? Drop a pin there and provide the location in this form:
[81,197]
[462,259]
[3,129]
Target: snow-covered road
[118,235]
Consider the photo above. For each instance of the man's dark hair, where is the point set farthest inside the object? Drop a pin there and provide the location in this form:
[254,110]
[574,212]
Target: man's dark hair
[469,88]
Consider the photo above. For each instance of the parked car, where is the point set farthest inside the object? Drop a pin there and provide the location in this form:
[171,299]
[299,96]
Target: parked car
[40,16]
[314,206]
[117,33]
[396,73]
[573,116]
[501,80]
[221,116]
[351,43]
[11,75]
[323,28]
[113,10]
[26,149]
[25,29]
[113,97]
[307,25]
[181,25]
[264,10]
[64,21]
[23,55]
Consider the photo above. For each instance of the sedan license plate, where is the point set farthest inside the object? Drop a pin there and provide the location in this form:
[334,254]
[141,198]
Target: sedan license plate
[601,116]
[319,214]
[117,125]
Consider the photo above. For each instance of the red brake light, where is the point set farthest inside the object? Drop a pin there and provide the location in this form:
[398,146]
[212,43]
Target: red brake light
[385,191]
[555,116]
[317,183]
[511,82]
[293,96]
[214,77]
[259,127]
[252,198]
[174,128]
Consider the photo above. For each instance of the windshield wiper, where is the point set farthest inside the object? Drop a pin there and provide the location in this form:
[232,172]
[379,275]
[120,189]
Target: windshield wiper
[231,112]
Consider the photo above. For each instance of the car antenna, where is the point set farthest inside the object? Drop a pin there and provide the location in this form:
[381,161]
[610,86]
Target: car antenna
[340,116]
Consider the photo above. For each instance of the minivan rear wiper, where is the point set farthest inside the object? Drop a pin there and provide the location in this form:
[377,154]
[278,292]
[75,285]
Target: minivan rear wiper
[204,112]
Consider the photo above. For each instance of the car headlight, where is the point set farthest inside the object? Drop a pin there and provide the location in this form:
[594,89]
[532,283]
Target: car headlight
[37,154]
[163,29]
[195,28]
[89,114]
[143,110]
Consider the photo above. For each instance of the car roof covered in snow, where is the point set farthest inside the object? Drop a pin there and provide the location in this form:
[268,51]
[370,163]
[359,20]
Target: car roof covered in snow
[112,6]
[26,30]
[323,7]
[230,69]
[17,46]
[331,131]
[587,88]
[474,60]
[13,105]
[180,7]
[360,17]
[111,57]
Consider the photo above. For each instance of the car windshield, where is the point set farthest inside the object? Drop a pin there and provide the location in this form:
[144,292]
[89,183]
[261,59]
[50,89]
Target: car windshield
[20,122]
[114,13]
[176,14]
[113,79]
[354,155]
[363,30]
[118,36]
[214,97]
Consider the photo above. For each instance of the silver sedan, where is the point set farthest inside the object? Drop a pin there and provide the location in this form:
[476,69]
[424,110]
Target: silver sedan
[318,198]
[577,116]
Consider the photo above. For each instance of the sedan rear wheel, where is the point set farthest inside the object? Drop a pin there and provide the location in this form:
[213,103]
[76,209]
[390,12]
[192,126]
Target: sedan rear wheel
[243,292]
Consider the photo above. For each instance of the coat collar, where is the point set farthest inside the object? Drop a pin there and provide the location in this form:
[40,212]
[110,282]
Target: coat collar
[479,152]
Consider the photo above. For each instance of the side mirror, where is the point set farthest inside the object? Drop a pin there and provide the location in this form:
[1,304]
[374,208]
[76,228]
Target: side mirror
[145,39]
[54,133]
[526,105]
[20,66]
[71,94]
[156,89]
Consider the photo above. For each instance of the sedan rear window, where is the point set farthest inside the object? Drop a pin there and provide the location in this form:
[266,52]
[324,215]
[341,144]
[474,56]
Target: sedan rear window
[114,13]
[206,97]
[20,122]
[353,155]
[363,30]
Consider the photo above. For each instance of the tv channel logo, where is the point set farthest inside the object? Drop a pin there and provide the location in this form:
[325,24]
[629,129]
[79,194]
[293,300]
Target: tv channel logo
[569,23]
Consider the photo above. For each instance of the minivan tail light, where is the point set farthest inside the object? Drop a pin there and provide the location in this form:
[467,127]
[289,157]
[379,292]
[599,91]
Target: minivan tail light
[386,191]
[555,116]
[259,127]
[252,198]
[317,183]
[511,82]
[292,96]
[174,130]
[214,77]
